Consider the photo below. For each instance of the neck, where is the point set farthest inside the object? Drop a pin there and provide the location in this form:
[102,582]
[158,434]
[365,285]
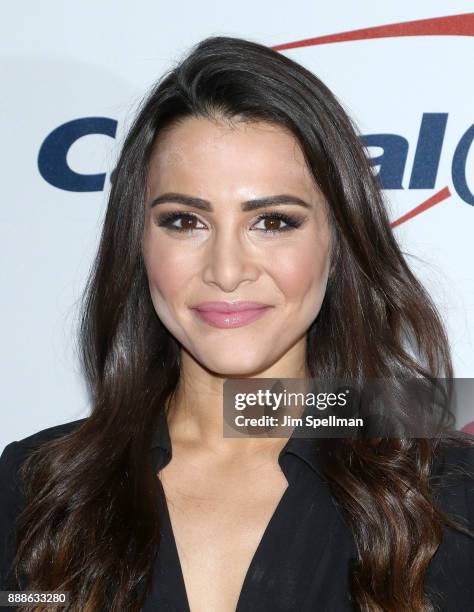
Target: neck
[195,415]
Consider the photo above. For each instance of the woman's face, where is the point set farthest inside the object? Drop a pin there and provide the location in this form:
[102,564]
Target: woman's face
[216,248]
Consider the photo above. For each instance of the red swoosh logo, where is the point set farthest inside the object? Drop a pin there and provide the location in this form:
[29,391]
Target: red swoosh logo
[436,199]
[452,25]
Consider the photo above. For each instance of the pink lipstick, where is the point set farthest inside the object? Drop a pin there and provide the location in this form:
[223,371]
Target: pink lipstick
[230,314]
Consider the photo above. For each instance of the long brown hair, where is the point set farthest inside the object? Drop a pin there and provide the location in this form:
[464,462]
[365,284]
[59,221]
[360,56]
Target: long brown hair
[94,531]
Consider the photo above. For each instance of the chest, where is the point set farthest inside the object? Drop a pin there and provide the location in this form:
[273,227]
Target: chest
[218,521]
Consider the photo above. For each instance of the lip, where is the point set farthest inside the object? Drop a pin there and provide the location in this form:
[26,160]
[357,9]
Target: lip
[227,315]
[236,306]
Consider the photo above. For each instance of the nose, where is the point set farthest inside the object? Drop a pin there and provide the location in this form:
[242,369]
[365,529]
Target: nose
[229,262]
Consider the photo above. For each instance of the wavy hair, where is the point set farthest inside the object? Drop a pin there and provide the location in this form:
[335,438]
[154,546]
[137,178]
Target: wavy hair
[95,532]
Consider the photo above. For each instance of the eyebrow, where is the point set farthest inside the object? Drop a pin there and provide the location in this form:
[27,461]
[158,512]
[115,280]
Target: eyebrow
[254,204]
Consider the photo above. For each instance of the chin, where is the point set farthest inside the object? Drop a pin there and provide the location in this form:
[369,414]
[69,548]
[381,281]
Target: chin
[235,365]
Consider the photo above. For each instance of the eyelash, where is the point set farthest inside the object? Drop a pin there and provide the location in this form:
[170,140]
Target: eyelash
[166,220]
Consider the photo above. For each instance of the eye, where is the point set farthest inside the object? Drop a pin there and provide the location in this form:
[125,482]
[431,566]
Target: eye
[272,223]
[188,222]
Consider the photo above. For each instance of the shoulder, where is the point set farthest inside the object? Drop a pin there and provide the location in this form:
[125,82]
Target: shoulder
[453,480]
[455,454]
[16,451]
[453,464]
[450,573]
[11,494]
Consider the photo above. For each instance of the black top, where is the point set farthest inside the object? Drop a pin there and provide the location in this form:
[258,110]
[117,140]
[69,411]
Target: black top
[302,561]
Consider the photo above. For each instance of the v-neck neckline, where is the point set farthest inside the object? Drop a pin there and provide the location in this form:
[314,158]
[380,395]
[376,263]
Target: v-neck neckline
[162,454]
[183,596]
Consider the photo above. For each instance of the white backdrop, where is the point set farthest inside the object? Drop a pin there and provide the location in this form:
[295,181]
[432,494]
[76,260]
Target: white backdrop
[66,62]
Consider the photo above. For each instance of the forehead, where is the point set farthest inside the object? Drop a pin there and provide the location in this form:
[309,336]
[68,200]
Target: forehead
[199,150]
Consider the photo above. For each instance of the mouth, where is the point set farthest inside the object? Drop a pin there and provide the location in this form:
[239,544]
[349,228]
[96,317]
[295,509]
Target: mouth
[227,315]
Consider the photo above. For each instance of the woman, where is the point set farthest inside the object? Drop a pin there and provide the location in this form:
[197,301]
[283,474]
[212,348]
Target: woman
[242,180]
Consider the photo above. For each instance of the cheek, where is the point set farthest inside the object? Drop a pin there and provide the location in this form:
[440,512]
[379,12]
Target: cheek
[301,271]
[169,276]
[168,270]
